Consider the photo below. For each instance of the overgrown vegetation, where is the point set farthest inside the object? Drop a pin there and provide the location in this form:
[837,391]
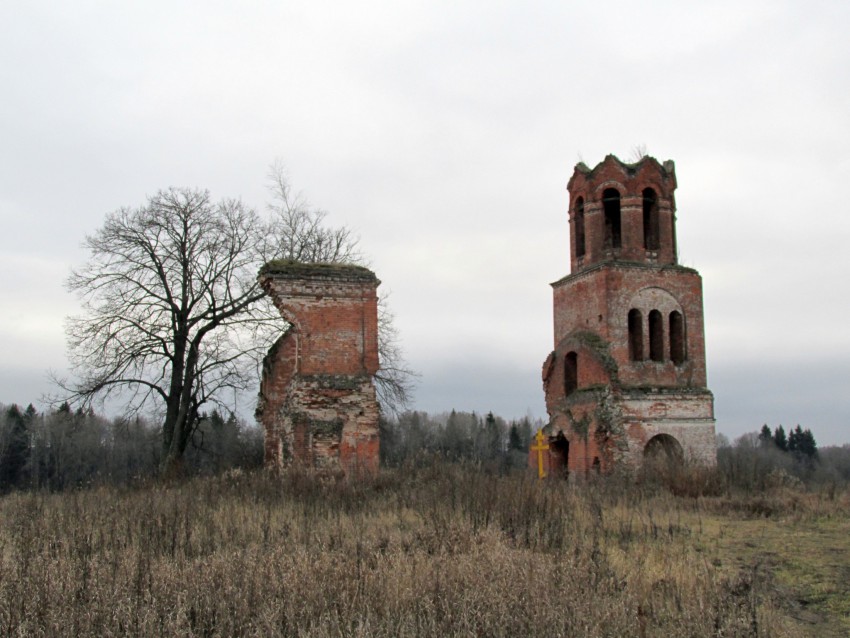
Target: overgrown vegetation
[756,463]
[434,549]
[63,449]
[452,538]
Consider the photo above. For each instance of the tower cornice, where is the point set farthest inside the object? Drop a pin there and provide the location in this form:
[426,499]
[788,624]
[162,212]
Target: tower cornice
[613,264]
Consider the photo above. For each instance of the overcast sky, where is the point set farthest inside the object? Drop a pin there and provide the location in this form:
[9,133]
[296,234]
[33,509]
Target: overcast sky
[444,133]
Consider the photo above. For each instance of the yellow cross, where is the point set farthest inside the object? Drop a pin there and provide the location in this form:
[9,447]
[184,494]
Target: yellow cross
[540,448]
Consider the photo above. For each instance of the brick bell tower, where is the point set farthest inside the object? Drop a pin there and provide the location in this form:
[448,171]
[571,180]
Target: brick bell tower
[627,379]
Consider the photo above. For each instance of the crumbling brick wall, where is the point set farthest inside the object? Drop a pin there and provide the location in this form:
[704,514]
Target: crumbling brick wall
[317,403]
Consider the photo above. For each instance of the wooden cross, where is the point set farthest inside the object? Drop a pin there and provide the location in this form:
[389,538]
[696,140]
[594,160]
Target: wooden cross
[540,448]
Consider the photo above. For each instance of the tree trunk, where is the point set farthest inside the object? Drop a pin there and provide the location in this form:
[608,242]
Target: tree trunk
[178,429]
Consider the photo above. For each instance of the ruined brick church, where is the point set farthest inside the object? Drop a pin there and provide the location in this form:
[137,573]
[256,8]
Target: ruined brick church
[627,378]
[625,382]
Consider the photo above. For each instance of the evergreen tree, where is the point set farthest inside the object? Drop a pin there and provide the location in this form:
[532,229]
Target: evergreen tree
[794,437]
[802,443]
[807,445]
[780,439]
[765,436]
[16,451]
[514,438]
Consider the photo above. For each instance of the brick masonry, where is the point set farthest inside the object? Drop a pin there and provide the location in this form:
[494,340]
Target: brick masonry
[627,376]
[317,399]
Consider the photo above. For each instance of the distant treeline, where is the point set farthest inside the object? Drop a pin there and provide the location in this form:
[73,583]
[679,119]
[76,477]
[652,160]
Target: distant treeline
[67,448]
[64,448]
[759,460]
[457,436]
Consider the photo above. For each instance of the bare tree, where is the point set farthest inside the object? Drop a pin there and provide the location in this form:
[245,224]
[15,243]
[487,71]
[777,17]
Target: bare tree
[173,315]
[171,307]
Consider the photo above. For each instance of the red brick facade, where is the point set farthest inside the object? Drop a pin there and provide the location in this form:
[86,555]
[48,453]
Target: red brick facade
[627,376]
[317,397]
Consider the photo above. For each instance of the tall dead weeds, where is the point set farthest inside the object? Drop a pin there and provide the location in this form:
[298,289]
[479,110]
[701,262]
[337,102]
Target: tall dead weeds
[434,549]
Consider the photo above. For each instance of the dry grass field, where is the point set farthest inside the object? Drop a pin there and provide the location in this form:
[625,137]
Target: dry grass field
[439,550]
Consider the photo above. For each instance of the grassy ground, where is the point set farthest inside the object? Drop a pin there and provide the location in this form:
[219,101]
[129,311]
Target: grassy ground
[802,550]
[445,550]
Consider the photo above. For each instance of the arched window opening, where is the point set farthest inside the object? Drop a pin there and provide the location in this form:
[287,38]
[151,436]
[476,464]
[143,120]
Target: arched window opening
[651,239]
[656,336]
[570,373]
[677,337]
[613,228]
[579,227]
[635,335]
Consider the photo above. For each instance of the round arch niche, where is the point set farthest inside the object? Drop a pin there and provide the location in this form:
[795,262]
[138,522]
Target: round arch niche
[663,448]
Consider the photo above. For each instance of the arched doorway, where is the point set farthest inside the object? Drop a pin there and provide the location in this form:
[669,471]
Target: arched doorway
[663,449]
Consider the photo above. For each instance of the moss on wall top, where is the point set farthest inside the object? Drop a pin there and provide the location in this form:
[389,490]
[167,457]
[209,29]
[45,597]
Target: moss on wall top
[666,168]
[289,269]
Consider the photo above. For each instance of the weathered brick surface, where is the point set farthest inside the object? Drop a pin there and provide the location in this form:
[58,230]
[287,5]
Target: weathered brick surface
[598,300]
[317,397]
[629,181]
[614,401]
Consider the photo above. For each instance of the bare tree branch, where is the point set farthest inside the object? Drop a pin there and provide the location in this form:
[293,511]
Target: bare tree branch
[394,381]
